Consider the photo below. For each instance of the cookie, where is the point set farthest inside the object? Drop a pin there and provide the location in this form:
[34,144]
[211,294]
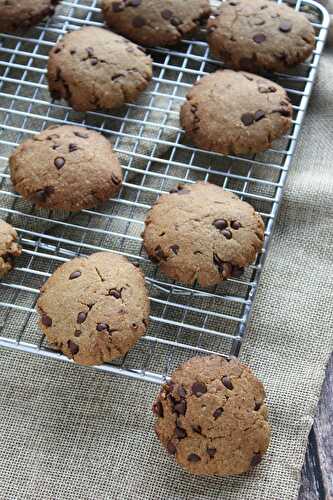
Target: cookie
[94,68]
[19,15]
[9,248]
[212,417]
[94,309]
[66,167]
[233,112]
[202,233]
[260,35]
[154,22]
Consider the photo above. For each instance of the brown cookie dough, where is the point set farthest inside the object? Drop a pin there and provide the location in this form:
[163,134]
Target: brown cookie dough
[154,22]
[94,309]
[19,15]
[9,248]
[212,417]
[202,233]
[66,167]
[260,35]
[94,68]
[233,112]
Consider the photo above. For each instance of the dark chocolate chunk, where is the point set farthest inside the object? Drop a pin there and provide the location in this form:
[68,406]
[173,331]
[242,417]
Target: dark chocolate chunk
[227,382]
[193,458]
[74,275]
[218,412]
[81,317]
[46,320]
[74,348]
[199,388]
[259,38]
[211,452]
[256,459]
[220,224]
[181,433]
[247,119]
[171,448]
[285,26]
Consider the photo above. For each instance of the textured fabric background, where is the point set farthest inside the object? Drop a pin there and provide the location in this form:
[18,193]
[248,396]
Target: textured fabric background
[73,433]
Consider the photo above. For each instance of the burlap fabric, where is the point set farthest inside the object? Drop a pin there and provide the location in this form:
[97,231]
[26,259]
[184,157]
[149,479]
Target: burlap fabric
[73,433]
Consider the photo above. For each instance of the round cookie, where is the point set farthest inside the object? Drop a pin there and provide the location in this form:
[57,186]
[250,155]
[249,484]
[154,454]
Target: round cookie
[212,417]
[260,35]
[202,233]
[66,167]
[154,22]
[19,15]
[9,249]
[94,309]
[94,68]
[233,112]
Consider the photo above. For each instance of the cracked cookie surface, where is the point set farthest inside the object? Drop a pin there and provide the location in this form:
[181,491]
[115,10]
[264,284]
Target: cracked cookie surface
[66,167]
[9,248]
[234,112]
[94,68]
[202,233]
[260,35]
[154,22]
[212,417]
[94,309]
[19,15]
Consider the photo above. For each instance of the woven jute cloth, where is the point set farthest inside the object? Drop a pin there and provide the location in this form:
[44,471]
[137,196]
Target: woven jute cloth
[68,432]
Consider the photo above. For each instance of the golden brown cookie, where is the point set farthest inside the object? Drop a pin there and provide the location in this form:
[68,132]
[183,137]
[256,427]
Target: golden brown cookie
[94,309]
[66,167]
[19,15]
[9,248]
[154,22]
[260,35]
[212,417]
[94,68]
[234,112]
[202,233]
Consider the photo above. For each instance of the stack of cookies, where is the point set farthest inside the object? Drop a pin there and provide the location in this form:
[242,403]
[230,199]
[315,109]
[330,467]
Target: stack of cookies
[211,414]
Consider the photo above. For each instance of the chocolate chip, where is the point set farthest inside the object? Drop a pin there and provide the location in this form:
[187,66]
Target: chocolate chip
[115,180]
[181,433]
[192,457]
[158,409]
[72,52]
[235,225]
[180,408]
[100,327]
[237,271]
[257,405]
[218,412]
[175,249]
[134,326]
[175,21]
[135,3]
[117,6]
[59,163]
[259,38]
[159,253]
[41,195]
[199,388]
[46,320]
[247,119]
[72,148]
[227,382]
[74,275]
[220,224]
[115,293]
[211,452]
[77,333]
[285,26]
[227,234]
[182,392]
[259,115]
[218,262]
[82,135]
[138,22]
[74,348]
[256,459]
[171,448]
[93,61]
[81,317]
[197,429]
[166,14]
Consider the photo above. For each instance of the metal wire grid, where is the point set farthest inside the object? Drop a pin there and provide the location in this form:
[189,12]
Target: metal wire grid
[155,156]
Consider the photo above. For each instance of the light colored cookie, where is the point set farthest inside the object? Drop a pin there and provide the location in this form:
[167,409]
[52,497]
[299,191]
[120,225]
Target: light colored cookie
[9,248]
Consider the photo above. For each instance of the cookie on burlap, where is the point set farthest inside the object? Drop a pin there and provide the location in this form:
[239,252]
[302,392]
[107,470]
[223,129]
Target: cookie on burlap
[260,35]
[94,68]
[212,417]
[234,112]
[202,233]
[19,15]
[154,22]
[94,309]
[9,248]
[66,167]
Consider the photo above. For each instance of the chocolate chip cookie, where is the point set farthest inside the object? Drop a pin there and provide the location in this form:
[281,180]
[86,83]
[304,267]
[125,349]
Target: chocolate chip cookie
[9,248]
[19,15]
[154,22]
[94,68]
[212,417]
[202,233]
[66,167]
[94,309]
[236,113]
[260,35]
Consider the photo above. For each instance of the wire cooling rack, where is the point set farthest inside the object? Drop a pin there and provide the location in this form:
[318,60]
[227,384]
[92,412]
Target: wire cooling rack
[155,156]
